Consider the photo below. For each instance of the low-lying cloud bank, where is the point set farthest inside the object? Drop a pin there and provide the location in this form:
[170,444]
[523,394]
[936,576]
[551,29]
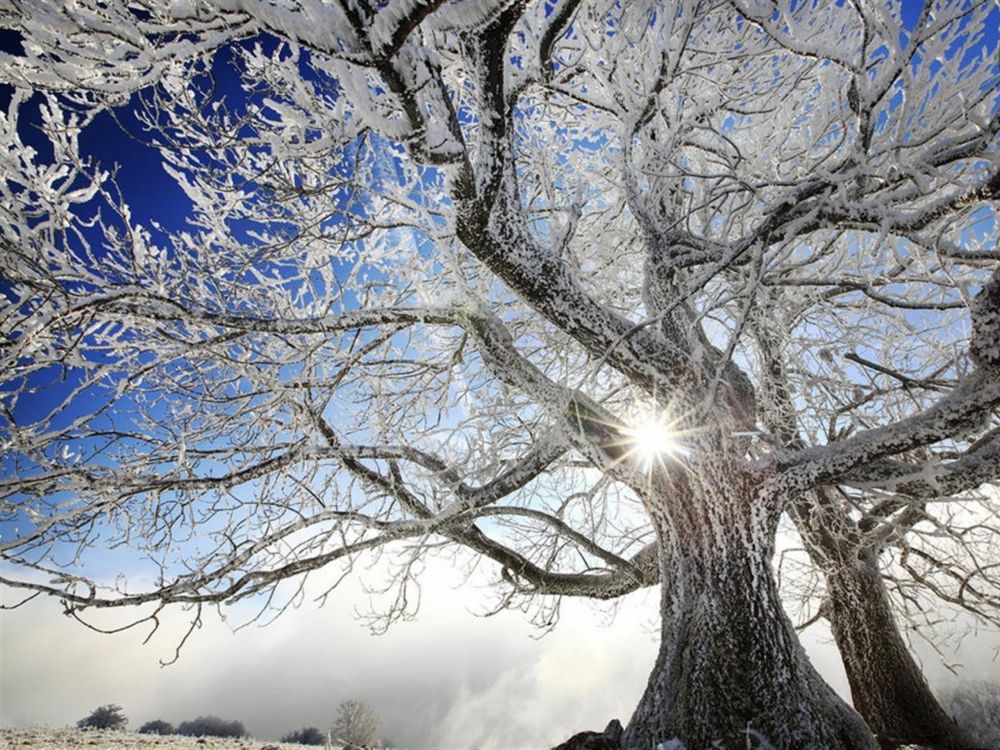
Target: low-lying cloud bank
[448,679]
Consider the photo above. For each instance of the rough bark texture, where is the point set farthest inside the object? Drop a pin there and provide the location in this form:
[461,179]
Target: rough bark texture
[730,671]
[887,686]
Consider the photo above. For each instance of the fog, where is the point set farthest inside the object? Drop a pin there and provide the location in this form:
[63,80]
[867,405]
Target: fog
[449,679]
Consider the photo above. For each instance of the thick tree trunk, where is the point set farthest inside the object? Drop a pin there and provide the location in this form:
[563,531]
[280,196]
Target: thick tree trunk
[730,670]
[887,686]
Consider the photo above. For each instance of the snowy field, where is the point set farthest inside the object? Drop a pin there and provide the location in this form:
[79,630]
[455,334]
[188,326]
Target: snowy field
[95,739]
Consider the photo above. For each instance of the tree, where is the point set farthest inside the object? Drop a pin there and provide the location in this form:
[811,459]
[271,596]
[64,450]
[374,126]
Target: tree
[887,686]
[104,717]
[356,724]
[305,736]
[596,291]
[157,726]
[211,726]
[977,705]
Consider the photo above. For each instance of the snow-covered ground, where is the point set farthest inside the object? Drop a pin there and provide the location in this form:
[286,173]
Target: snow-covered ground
[96,739]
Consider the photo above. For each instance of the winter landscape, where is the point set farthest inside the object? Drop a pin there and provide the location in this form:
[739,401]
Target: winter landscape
[356,726]
[678,318]
[59,739]
[36,739]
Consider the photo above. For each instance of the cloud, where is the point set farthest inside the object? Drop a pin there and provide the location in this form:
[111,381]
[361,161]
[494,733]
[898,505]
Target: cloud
[449,679]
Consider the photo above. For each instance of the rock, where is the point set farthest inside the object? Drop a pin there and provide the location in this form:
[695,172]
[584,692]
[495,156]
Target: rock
[609,739]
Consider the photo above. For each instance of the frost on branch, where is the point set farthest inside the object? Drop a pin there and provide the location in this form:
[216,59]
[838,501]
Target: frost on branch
[985,311]
[438,260]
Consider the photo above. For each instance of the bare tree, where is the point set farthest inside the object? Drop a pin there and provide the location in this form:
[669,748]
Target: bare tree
[357,724]
[597,291]
[977,704]
[871,545]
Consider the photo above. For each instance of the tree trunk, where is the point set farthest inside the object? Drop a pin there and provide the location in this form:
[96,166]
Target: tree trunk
[730,671]
[888,688]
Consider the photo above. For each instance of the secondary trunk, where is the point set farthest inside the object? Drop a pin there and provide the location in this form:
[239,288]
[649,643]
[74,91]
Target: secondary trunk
[730,671]
[888,688]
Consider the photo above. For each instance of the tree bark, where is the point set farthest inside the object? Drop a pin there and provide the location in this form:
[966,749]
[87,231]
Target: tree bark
[887,686]
[730,671]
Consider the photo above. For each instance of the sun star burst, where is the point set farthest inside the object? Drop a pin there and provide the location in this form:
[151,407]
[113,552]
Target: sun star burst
[652,441]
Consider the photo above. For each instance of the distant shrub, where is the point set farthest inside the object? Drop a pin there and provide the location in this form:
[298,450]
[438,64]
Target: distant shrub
[157,726]
[306,736]
[104,717]
[211,726]
[975,705]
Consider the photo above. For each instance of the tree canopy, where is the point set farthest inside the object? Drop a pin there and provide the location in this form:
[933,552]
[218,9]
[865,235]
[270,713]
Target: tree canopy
[597,291]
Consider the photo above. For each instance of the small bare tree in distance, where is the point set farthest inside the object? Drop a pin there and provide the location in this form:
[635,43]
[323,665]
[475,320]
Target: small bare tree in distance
[357,724]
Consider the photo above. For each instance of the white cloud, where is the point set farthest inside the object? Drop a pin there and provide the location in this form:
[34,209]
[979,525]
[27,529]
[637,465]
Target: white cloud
[448,679]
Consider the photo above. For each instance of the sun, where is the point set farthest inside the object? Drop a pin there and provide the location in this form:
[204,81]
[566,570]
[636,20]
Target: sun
[652,440]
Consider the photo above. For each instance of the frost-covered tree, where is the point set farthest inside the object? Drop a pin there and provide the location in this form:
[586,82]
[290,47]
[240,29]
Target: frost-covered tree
[104,717]
[356,724]
[211,726]
[597,291]
[305,736]
[157,726]
[977,705]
